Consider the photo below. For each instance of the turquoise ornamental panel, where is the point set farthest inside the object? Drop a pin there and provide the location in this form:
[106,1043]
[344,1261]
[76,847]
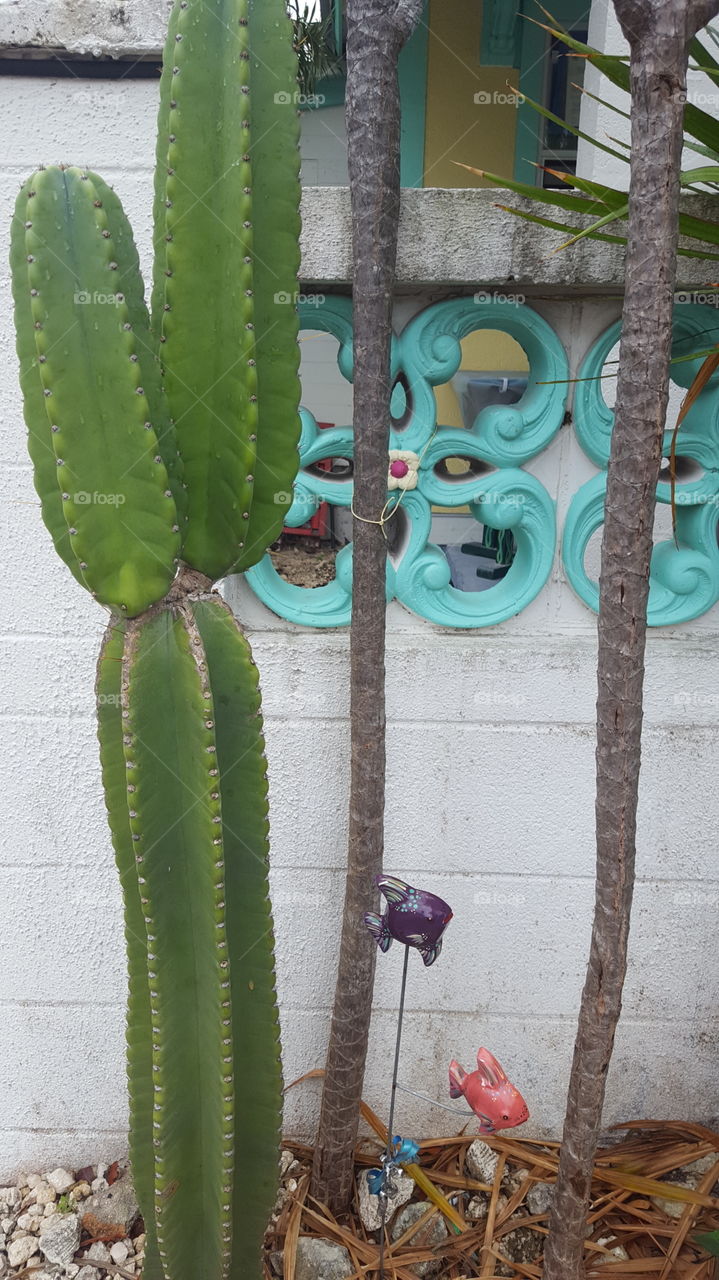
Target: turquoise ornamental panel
[503,435]
[499,493]
[684,579]
[510,499]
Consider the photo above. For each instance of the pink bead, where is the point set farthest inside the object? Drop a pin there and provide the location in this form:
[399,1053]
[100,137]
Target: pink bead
[398,469]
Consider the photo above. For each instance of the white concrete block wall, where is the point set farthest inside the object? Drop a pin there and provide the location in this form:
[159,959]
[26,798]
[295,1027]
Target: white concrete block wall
[598,120]
[490,762]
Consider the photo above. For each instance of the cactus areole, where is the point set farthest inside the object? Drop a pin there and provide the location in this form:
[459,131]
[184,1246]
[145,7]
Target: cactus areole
[164,444]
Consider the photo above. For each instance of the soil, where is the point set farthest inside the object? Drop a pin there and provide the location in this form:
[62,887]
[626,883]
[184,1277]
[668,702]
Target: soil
[304,566]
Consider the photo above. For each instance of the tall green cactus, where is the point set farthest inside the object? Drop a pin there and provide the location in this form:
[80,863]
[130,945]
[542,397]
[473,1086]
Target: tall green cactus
[164,446]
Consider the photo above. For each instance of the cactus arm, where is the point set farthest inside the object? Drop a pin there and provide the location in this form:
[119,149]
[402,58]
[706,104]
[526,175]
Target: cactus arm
[131,284]
[114,491]
[204,313]
[241,759]
[276,192]
[139,1023]
[176,824]
[39,440]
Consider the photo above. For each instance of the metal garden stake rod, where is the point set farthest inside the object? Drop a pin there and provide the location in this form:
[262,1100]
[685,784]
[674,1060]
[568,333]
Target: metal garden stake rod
[416,919]
[390,1141]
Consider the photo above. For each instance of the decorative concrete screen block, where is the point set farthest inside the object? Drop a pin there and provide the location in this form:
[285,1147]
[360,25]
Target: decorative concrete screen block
[684,579]
[497,491]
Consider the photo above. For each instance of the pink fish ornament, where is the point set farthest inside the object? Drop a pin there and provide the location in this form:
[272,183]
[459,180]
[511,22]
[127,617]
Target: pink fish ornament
[489,1092]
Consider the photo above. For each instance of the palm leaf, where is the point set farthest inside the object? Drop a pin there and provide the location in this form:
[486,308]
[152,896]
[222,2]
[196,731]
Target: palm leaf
[556,226]
[709,366]
[564,124]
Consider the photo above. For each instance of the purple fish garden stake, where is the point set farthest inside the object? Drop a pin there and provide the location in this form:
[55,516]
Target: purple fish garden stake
[412,916]
[416,919]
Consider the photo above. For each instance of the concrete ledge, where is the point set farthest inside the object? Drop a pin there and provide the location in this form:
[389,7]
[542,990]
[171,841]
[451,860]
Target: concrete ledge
[101,28]
[459,237]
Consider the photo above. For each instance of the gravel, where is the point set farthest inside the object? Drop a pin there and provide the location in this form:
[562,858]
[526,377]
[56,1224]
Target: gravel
[42,1225]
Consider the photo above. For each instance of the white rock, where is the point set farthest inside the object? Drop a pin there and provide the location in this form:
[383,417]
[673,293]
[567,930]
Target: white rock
[119,1252]
[698,1168]
[522,1245]
[32,1180]
[99,1252]
[10,1196]
[111,1212]
[60,1238]
[60,1179]
[3,1264]
[139,1242]
[402,1190]
[99,1184]
[672,1208]
[286,1159]
[539,1198]
[319,1259]
[29,1221]
[7,1225]
[87,1273]
[427,1237]
[478,1207]
[21,1250]
[481,1162]
[617,1254]
[44,1193]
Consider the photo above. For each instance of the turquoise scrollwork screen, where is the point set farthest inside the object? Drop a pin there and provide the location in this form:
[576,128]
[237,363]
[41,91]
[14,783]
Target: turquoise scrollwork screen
[684,576]
[498,492]
[493,487]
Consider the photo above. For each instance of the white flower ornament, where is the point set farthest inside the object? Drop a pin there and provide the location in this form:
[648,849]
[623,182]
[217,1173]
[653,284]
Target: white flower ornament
[403,469]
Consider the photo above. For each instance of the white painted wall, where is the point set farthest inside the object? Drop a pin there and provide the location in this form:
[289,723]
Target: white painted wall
[490,798]
[324,148]
[601,122]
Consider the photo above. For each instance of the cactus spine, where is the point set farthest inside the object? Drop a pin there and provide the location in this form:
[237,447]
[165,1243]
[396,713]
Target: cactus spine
[161,444]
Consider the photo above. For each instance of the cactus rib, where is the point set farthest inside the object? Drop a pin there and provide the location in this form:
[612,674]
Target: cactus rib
[255,1023]
[132,285]
[39,441]
[275,157]
[139,1022]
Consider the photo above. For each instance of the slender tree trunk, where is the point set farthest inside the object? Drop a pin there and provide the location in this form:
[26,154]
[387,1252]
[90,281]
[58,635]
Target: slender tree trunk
[376,31]
[658,32]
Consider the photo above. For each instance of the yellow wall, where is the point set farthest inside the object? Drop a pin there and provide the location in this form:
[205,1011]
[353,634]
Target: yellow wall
[458,128]
[482,351]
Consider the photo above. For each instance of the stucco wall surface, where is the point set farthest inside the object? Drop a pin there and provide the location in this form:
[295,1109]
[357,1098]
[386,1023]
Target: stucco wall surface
[490,794]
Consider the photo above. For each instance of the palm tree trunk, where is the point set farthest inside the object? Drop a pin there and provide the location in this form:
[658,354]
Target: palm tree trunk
[658,32]
[376,31]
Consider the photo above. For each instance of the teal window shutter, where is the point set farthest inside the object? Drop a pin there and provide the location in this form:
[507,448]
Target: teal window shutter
[499,45]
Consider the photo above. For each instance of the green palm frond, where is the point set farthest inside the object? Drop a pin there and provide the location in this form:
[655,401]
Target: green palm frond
[603,203]
[315,47]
